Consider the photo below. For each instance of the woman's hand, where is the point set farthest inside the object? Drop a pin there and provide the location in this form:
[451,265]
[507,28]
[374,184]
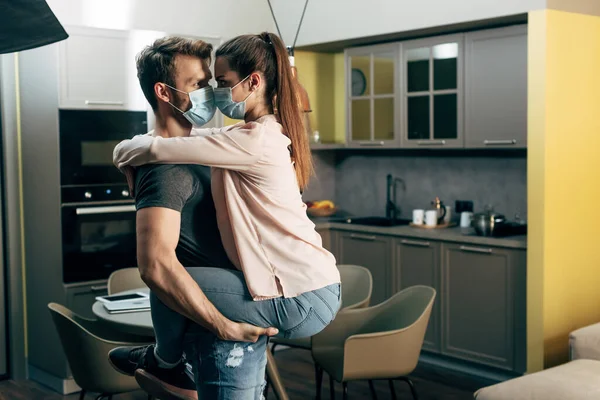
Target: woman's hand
[242,332]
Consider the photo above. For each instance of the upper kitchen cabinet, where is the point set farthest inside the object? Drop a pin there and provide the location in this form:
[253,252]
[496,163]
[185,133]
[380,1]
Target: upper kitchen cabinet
[432,92]
[496,88]
[98,71]
[372,96]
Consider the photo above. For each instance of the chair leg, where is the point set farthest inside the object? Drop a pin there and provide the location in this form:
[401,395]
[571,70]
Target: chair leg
[82,395]
[319,380]
[372,389]
[412,387]
[345,388]
[392,390]
[331,388]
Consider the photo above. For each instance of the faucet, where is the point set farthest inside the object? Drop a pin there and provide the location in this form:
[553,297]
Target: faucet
[392,210]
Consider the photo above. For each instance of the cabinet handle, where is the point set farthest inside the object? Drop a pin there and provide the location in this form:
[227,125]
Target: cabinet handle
[415,243]
[371,143]
[499,142]
[98,288]
[431,142]
[103,103]
[476,250]
[362,237]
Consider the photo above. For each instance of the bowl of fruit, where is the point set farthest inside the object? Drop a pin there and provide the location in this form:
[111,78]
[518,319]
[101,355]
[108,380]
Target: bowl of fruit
[322,208]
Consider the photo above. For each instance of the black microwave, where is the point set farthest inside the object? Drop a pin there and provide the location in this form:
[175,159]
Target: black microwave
[87,141]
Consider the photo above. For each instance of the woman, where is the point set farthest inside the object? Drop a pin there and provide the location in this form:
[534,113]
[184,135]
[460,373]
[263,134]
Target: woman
[259,168]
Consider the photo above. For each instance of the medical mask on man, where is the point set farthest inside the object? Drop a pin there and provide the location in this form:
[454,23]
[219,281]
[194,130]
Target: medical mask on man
[225,103]
[203,106]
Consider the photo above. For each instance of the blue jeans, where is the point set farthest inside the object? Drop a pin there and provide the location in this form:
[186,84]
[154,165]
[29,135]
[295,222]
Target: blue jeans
[236,370]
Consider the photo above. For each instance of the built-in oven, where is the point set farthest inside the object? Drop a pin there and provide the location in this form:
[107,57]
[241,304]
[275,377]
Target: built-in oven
[87,140]
[97,239]
[97,212]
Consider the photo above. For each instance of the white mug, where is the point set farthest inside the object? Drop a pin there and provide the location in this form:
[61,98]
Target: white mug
[465,219]
[431,217]
[418,216]
[448,216]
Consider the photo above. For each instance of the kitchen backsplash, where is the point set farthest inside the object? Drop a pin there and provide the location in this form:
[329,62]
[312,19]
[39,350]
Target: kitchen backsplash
[356,181]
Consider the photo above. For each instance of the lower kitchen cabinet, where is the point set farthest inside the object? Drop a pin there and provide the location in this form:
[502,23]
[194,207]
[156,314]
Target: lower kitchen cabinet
[483,300]
[372,252]
[80,299]
[326,238]
[417,262]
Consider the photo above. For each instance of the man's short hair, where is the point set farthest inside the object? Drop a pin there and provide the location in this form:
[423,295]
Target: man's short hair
[156,63]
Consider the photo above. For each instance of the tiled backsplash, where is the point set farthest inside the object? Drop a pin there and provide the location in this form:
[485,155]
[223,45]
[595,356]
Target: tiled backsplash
[356,181]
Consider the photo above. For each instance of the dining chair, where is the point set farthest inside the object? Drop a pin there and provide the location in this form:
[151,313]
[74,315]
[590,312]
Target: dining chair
[380,342]
[125,279]
[357,286]
[86,343]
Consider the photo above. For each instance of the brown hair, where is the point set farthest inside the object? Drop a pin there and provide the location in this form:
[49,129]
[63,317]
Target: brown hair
[156,63]
[266,53]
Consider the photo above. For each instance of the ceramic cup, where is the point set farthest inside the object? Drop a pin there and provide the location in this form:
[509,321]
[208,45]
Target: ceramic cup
[418,216]
[431,217]
[465,219]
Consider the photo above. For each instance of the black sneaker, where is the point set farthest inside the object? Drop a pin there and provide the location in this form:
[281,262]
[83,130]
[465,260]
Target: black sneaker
[127,359]
[175,383]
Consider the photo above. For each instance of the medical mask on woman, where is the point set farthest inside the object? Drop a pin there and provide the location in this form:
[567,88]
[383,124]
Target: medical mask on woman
[230,108]
[203,106]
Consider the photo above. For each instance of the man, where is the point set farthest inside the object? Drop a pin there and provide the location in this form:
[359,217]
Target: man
[176,223]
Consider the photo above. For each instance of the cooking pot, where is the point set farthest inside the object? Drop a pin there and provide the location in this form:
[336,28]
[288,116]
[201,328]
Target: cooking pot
[486,223]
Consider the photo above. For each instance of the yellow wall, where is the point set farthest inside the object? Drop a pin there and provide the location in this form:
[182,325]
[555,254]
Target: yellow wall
[322,75]
[563,181]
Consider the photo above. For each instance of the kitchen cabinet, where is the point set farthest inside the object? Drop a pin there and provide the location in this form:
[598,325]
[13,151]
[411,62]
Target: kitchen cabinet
[417,262]
[98,71]
[496,88]
[372,96]
[325,238]
[372,252]
[483,305]
[80,299]
[432,92]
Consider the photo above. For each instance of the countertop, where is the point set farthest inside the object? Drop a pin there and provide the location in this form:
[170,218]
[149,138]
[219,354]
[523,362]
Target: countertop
[456,235]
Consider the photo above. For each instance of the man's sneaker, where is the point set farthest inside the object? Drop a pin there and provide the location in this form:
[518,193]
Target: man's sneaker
[164,383]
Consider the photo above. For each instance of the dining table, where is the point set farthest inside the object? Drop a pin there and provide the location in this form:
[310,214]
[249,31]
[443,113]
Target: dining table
[140,323]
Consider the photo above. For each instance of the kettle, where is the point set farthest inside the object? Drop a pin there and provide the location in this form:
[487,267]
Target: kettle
[487,222]
[439,206]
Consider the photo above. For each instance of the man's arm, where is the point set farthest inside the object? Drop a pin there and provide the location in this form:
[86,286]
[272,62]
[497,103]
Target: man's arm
[157,237]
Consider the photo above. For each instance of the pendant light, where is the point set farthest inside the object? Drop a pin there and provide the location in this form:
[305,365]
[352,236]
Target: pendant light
[26,24]
[303,99]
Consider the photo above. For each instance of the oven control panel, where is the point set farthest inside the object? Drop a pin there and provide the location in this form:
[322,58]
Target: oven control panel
[95,193]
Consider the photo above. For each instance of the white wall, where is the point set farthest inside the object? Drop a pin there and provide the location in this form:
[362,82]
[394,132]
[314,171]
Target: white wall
[205,18]
[333,20]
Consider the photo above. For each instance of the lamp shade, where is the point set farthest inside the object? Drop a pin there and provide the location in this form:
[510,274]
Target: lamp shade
[26,24]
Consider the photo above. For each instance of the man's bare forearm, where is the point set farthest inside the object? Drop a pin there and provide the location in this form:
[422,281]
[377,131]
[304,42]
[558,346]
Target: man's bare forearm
[174,286]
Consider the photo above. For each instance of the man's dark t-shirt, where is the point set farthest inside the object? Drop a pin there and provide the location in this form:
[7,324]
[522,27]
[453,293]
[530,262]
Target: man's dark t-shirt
[185,188]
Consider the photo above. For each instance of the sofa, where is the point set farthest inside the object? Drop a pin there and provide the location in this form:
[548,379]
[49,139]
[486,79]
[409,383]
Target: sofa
[578,379]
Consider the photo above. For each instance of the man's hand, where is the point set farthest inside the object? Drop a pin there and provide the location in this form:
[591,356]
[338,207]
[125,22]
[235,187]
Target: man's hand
[242,332]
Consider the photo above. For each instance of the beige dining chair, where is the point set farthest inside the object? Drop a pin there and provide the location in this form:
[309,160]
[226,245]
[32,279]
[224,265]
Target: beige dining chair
[125,279]
[380,342]
[357,286]
[86,343]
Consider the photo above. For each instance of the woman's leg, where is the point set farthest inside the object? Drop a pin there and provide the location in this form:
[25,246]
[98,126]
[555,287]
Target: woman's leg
[233,370]
[169,331]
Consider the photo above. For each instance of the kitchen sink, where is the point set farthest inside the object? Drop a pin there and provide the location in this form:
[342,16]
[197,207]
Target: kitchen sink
[374,221]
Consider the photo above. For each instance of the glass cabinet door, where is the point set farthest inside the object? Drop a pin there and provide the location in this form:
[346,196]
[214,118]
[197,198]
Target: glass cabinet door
[372,95]
[432,92]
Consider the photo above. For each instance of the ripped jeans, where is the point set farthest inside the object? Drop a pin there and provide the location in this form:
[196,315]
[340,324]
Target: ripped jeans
[236,370]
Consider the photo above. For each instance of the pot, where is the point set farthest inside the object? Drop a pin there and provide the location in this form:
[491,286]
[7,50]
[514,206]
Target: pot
[487,222]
